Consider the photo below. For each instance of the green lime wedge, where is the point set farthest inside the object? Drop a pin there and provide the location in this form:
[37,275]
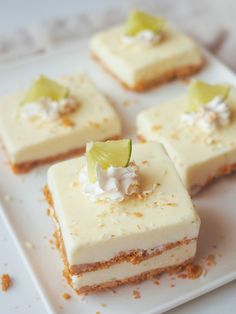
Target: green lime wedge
[106,154]
[200,93]
[45,87]
[139,21]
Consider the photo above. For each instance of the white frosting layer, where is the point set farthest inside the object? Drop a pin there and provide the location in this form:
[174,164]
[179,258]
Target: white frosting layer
[209,117]
[134,64]
[26,140]
[125,270]
[112,185]
[197,155]
[95,232]
[47,109]
[143,37]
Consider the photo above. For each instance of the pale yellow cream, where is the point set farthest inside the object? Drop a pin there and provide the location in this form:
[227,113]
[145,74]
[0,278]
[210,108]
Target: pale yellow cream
[136,62]
[95,119]
[94,232]
[198,156]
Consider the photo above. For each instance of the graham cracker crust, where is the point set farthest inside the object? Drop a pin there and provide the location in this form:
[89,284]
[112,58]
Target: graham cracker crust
[27,166]
[222,171]
[134,279]
[133,257]
[181,73]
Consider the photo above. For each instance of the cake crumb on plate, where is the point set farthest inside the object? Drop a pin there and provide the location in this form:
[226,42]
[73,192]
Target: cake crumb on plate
[66,296]
[6,282]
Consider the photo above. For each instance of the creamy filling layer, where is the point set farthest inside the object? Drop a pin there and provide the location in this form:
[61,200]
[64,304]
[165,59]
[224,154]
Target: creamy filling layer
[121,271]
[175,52]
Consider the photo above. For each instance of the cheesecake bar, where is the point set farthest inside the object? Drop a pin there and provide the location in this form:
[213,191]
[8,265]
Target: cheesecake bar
[37,133]
[107,244]
[199,146]
[139,65]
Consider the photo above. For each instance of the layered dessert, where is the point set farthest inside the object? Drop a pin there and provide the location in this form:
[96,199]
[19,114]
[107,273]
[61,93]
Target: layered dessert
[198,131]
[145,52]
[121,216]
[54,119]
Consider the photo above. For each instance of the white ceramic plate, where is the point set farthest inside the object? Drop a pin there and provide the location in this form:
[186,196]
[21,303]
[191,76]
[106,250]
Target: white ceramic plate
[25,211]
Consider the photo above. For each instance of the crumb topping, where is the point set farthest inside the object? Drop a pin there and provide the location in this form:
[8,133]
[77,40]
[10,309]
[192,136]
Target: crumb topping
[66,296]
[138,214]
[136,294]
[94,124]
[6,282]
[211,260]
[67,122]
[156,128]
[191,271]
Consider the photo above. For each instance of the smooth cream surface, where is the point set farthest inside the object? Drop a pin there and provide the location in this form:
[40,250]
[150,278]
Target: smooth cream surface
[197,155]
[94,232]
[136,62]
[25,141]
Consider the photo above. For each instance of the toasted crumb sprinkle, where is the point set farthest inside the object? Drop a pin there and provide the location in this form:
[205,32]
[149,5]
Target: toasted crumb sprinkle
[97,312]
[194,271]
[145,162]
[66,296]
[171,204]
[138,214]
[67,122]
[136,294]
[174,135]
[211,260]
[156,282]
[6,282]
[156,128]
[94,124]
[191,271]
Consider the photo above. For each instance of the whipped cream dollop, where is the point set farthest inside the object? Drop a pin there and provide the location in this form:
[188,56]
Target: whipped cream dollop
[145,37]
[112,185]
[48,109]
[211,116]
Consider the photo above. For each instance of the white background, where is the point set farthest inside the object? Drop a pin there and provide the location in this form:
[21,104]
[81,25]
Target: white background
[22,297]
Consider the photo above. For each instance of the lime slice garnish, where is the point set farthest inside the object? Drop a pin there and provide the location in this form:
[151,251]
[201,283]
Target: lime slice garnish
[44,87]
[106,154]
[139,21]
[200,93]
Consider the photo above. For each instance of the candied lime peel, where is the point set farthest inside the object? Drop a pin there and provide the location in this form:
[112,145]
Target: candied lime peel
[139,21]
[107,154]
[200,93]
[45,87]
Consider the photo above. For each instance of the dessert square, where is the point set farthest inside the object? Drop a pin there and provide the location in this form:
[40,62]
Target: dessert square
[106,244]
[200,151]
[140,66]
[36,135]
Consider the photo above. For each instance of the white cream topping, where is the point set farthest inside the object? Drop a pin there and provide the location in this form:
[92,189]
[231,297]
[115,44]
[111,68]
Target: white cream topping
[112,184]
[211,116]
[48,109]
[145,36]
